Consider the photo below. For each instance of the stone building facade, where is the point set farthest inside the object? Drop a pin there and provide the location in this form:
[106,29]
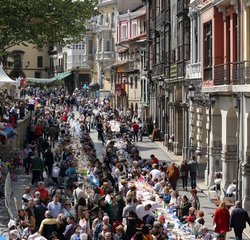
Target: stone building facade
[202,47]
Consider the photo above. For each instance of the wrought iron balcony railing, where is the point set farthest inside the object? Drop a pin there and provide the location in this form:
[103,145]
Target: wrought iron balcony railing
[232,73]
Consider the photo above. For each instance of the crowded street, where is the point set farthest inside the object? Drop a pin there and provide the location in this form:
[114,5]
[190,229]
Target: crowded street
[85,179]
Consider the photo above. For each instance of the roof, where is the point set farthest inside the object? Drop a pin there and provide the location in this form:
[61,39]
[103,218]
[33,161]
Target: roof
[135,38]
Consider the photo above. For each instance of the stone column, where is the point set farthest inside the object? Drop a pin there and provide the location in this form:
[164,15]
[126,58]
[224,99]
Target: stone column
[229,164]
[200,133]
[179,131]
[215,146]
[229,142]
[244,145]
[185,133]
[245,182]
[191,128]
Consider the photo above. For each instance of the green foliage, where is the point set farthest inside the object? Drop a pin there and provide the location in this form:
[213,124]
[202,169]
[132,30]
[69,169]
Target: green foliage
[43,22]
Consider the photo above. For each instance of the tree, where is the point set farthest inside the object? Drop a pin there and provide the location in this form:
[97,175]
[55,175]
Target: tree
[42,22]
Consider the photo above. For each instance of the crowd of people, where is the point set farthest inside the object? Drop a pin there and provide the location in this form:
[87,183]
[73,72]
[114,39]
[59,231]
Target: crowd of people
[75,194]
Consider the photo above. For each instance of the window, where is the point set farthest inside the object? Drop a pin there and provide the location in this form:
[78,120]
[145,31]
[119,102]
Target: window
[162,48]
[100,45]
[136,82]
[131,82]
[90,46]
[112,44]
[112,19]
[208,50]
[142,26]
[167,48]
[180,41]
[124,32]
[134,29]
[157,48]
[186,40]
[101,20]
[37,75]
[108,46]
[196,39]
[39,61]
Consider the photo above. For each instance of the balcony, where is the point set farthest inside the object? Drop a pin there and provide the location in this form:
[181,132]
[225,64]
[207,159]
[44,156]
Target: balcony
[103,27]
[158,70]
[232,73]
[181,69]
[106,55]
[193,71]
[132,66]
[88,57]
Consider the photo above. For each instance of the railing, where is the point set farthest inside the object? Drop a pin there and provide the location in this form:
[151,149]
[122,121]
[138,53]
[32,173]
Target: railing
[105,55]
[7,195]
[88,57]
[181,69]
[193,70]
[158,69]
[232,73]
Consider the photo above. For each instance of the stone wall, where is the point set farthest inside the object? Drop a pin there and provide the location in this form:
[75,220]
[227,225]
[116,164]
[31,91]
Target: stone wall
[18,141]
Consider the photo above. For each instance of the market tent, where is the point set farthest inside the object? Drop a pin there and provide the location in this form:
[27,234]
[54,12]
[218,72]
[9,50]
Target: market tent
[4,78]
[60,76]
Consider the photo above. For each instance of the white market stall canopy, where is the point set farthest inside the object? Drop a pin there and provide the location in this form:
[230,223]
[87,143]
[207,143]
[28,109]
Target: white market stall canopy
[4,78]
[60,76]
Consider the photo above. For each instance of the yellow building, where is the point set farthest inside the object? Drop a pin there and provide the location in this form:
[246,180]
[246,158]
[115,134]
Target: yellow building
[28,62]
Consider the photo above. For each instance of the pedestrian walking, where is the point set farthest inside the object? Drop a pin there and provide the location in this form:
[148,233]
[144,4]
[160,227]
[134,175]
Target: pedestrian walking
[173,174]
[36,168]
[184,174]
[135,127]
[193,168]
[239,218]
[221,220]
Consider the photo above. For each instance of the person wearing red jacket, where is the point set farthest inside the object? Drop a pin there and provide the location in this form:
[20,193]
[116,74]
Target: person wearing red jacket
[135,127]
[38,130]
[221,220]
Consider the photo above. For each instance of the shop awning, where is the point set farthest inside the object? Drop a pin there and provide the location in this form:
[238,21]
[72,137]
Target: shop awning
[60,76]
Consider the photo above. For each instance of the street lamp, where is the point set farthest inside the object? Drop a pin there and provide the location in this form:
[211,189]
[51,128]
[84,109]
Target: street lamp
[191,91]
[161,82]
